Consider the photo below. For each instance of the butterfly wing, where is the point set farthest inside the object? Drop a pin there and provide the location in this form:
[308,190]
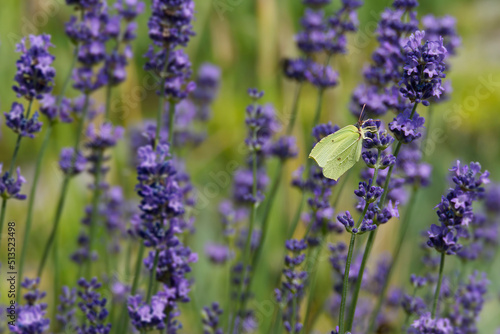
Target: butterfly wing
[325,149]
[344,157]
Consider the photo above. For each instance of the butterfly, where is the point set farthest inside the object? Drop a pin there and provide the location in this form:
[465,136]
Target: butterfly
[338,152]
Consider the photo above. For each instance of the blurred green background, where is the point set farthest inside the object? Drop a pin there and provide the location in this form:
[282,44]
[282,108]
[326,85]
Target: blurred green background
[248,39]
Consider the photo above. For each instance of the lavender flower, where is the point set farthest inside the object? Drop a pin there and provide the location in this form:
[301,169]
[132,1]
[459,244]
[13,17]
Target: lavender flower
[407,129]
[34,76]
[424,69]
[455,210]
[31,317]
[66,308]
[207,87]
[426,325]
[210,318]
[69,164]
[284,148]
[10,187]
[56,112]
[93,307]
[292,286]
[444,27]
[20,123]
[218,254]
[148,317]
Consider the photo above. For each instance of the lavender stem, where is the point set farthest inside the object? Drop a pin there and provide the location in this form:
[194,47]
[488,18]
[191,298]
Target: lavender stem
[438,287]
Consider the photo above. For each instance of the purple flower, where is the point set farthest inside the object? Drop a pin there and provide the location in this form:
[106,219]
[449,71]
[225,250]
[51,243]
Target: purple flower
[424,68]
[321,76]
[70,164]
[20,123]
[103,138]
[35,75]
[291,290]
[295,69]
[368,192]
[10,187]
[56,112]
[366,225]
[407,129]
[148,317]
[170,22]
[284,148]
[210,318]
[207,87]
[129,9]
[444,27]
[66,308]
[218,254]
[93,307]
[31,317]
[243,186]
[426,325]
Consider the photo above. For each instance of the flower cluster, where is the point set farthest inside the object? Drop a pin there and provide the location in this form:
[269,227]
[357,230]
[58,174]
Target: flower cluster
[31,317]
[169,28]
[321,34]
[66,308]
[379,91]
[407,128]
[21,123]
[455,210]
[292,286]
[93,306]
[10,187]
[210,318]
[35,75]
[424,68]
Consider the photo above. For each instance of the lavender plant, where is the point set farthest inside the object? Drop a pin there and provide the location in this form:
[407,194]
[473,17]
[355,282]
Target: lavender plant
[137,252]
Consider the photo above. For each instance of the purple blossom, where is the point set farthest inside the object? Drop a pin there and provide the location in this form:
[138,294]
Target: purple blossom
[20,123]
[207,87]
[31,317]
[210,318]
[66,308]
[218,254]
[69,164]
[170,22]
[149,316]
[426,325]
[407,129]
[285,148]
[35,75]
[424,68]
[321,76]
[10,187]
[243,184]
[129,9]
[295,69]
[56,112]
[104,137]
[93,307]
[292,285]
[444,27]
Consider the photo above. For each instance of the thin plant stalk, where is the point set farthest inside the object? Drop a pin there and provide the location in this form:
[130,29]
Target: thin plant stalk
[396,253]
[438,286]
[152,277]
[295,108]
[298,211]
[246,256]
[64,190]
[372,234]
[11,169]
[345,284]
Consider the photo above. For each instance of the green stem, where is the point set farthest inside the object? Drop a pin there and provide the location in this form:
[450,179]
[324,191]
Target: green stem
[371,238]
[55,256]
[295,108]
[345,284]
[314,277]
[41,154]
[246,256]
[171,120]
[438,287]
[31,202]
[426,136]
[64,189]
[265,217]
[2,217]
[18,142]
[152,277]
[396,253]
[94,213]
[308,163]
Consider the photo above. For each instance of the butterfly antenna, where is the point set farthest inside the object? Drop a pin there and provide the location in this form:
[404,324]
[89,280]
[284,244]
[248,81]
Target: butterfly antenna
[361,114]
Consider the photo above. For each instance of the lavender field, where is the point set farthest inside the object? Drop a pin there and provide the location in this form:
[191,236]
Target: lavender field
[232,166]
